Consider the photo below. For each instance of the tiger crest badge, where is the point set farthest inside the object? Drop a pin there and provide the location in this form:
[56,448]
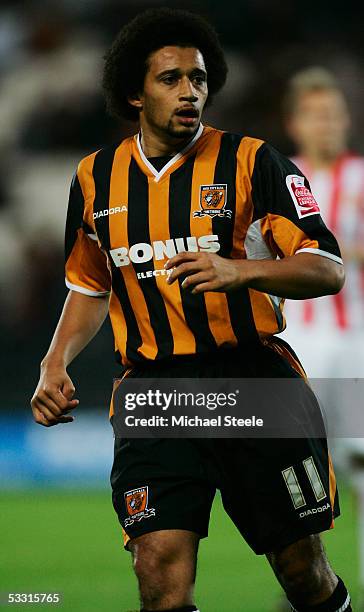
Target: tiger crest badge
[136,502]
[213,201]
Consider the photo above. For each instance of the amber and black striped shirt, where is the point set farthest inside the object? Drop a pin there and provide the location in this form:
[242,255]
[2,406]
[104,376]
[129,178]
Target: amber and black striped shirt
[224,193]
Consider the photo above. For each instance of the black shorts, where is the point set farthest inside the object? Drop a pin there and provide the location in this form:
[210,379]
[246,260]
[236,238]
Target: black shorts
[276,491]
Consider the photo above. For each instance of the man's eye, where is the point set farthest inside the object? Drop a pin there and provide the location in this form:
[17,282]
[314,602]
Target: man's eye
[169,80]
[200,80]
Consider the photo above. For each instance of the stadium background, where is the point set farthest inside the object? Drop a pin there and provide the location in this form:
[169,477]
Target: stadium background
[58,529]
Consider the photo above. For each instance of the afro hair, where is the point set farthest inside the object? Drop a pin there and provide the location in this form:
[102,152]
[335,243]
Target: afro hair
[126,61]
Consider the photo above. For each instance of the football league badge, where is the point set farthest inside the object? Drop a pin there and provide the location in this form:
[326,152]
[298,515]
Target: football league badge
[213,201]
[302,197]
[136,502]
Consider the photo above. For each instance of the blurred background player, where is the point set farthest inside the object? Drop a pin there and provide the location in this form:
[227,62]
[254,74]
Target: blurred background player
[328,332]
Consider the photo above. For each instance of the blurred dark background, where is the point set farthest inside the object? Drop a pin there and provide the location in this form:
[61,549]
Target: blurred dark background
[52,114]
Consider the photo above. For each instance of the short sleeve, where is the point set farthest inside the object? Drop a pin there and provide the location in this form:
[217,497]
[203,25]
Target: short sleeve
[287,213]
[86,264]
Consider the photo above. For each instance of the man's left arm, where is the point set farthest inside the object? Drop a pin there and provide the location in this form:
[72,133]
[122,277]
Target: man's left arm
[298,277]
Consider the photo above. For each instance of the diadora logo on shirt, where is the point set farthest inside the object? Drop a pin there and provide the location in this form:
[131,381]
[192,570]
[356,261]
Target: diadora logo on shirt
[302,197]
[213,201]
[110,211]
[142,252]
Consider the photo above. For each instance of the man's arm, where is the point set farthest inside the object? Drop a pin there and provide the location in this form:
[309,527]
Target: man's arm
[300,276]
[81,319]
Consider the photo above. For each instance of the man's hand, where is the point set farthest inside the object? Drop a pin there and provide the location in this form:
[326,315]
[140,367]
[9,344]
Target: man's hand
[205,272]
[297,277]
[52,400]
[81,318]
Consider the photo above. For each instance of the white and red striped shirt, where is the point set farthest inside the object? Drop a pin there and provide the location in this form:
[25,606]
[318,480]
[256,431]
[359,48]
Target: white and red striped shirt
[339,192]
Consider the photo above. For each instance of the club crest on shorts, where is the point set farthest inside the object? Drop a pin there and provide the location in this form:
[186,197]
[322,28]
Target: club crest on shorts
[136,502]
[213,201]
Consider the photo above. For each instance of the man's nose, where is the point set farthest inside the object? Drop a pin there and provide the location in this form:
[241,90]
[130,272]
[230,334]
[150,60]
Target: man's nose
[187,91]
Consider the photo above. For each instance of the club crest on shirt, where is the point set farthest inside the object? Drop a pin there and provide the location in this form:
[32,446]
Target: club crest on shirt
[213,201]
[302,197]
[136,502]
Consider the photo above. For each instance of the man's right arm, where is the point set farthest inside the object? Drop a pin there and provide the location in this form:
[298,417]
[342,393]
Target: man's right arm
[81,319]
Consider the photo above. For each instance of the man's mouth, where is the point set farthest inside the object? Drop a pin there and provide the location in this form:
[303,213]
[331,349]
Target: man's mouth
[188,113]
[187,116]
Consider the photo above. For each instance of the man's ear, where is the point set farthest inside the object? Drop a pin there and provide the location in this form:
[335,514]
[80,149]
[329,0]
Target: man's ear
[136,101]
[289,125]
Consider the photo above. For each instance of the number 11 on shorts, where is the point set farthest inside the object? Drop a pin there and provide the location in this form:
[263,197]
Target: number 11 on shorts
[295,491]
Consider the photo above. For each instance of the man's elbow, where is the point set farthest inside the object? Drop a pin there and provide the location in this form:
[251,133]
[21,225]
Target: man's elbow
[335,278]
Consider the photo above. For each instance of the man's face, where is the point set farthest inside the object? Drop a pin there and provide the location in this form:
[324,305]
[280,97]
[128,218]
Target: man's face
[319,124]
[175,91]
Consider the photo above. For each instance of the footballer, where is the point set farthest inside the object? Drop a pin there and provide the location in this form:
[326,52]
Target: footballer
[191,237]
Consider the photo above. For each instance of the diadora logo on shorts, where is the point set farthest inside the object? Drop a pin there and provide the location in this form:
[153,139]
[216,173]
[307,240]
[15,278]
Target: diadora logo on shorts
[163,249]
[315,510]
[302,197]
[136,502]
[110,211]
[213,201]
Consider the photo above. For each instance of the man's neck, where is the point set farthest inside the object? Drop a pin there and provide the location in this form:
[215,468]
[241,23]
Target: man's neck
[154,145]
[317,161]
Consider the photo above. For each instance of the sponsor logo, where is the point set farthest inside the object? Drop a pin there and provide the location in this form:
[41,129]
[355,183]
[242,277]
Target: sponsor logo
[302,197]
[153,273]
[136,502]
[159,249]
[109,211]
[315,510]
[213,201]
